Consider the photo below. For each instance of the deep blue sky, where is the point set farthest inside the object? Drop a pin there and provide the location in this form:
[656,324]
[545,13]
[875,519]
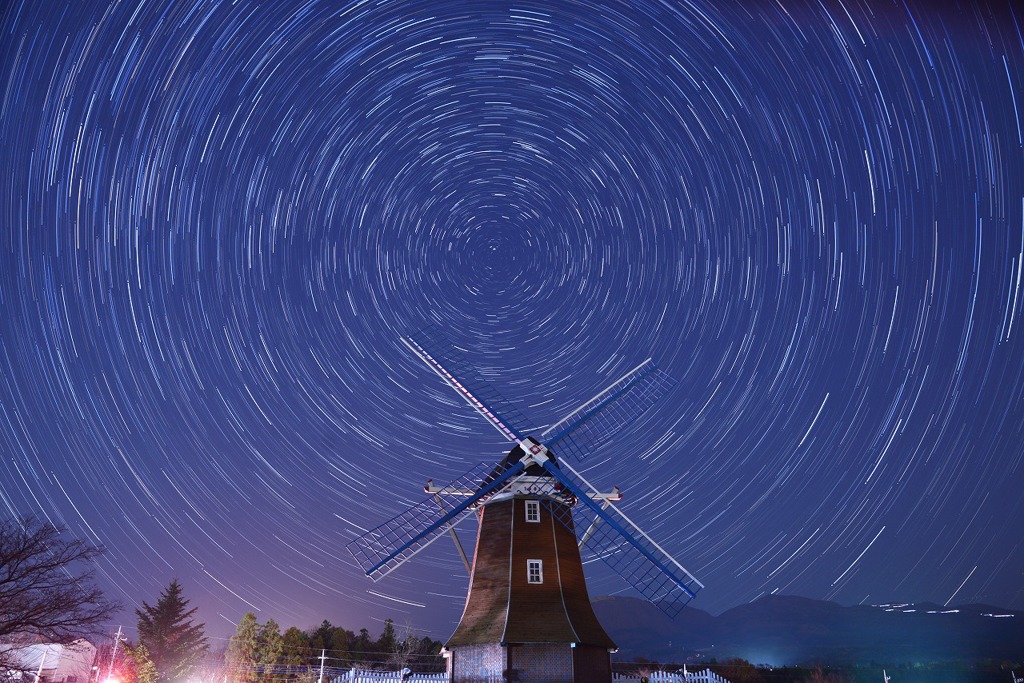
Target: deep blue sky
[216,220]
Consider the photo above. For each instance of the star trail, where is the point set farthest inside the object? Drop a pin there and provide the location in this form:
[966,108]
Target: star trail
[218,219]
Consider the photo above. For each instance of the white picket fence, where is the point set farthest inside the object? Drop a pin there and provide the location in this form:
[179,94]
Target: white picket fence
[358,676]
[705,676]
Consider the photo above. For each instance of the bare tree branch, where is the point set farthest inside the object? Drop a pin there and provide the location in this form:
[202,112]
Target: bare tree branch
[46,587]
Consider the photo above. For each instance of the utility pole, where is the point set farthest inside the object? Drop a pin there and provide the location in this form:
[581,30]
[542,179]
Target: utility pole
[113,652]
[42,660]
[323,658]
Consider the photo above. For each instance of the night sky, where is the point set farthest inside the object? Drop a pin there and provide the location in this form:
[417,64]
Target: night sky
[218,219]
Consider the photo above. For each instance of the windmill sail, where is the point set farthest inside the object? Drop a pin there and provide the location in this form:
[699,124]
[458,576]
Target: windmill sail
[591,425]
[531,473]
[381,550]
[624,547]
[442,357]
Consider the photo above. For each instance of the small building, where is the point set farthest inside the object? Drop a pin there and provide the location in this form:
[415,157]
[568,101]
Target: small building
[52,663]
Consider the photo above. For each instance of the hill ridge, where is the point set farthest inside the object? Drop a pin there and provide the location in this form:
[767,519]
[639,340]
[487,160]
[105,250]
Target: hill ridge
[791,630]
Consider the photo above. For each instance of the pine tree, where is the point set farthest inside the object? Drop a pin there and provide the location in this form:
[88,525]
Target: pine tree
[175,644]
[254,651]
[321,638]
[138,668]
[268,650]
[341,645]
[242,650]
[362,648]
[296,653]
[388,639]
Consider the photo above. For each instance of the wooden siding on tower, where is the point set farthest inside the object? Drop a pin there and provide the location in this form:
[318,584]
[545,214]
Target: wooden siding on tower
[502,606]
[537,611]
[483,619]
[545,612]
[574,587]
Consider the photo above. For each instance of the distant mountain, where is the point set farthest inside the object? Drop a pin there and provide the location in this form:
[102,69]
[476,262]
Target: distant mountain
[784,630]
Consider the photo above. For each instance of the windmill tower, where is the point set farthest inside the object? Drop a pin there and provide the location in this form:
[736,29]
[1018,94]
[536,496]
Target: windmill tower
[528,615]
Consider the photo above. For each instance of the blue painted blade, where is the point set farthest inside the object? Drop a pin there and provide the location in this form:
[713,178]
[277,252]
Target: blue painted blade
[651,571]
[381,550]
[595,422]
[450,365]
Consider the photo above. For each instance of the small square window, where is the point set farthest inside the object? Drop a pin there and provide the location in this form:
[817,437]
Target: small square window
[533,511]
[534,571]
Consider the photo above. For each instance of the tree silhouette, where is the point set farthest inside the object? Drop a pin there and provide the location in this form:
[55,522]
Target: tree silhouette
[136,666]
[46,589]
[174,642]
[255,651]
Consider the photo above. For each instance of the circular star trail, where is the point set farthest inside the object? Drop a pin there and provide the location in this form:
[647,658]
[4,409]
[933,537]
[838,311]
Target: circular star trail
[219,219]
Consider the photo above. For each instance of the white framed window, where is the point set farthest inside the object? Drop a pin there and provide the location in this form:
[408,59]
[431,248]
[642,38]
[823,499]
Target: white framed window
[533,511]
[535,571]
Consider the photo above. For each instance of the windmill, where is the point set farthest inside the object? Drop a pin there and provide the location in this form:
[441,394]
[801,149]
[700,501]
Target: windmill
[528,615]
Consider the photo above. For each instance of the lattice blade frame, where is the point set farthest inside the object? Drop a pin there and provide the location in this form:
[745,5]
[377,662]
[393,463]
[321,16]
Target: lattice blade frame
[624,547]
[441,356]
[380,551]
[599,419]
